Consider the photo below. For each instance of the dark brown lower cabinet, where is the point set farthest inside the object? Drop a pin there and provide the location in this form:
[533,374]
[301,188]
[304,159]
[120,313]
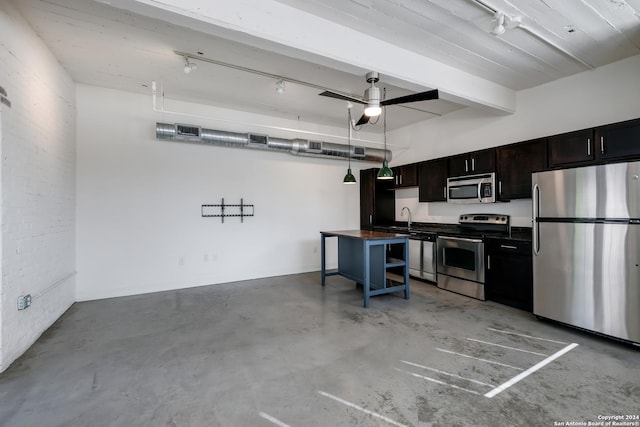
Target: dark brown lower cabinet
[509,272]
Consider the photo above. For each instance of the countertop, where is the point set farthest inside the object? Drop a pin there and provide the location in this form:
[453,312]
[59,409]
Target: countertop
[365,234]
[516,233]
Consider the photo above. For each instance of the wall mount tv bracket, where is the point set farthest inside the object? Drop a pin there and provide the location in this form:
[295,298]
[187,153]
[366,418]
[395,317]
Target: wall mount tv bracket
[222,210]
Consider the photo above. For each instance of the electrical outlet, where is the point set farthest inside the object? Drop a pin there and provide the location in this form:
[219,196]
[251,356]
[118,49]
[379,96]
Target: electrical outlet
[24,301]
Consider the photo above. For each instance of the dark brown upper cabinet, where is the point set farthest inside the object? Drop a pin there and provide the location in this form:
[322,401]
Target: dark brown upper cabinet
[571,148]
[432,180]
[483,161]
[618,141]
[516,162]
[405,175]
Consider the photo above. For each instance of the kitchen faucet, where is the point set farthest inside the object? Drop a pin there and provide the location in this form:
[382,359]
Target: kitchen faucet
[409,222]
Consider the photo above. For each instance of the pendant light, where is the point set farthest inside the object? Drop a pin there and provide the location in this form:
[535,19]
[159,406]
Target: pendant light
[385,172]
[349,178]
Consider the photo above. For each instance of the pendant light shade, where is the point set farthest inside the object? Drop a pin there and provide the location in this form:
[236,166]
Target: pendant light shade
[385,172]
[349,178]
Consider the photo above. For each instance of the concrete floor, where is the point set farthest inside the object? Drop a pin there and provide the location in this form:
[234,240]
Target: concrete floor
[283,351]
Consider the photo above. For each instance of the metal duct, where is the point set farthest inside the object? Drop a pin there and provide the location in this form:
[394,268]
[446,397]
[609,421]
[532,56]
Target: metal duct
[299,147]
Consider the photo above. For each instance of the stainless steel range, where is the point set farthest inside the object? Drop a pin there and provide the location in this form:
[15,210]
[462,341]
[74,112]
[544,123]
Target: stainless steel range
[461,265]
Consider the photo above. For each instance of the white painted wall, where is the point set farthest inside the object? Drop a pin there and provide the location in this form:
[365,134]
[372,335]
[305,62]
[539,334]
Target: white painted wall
[38,186]
[139,224]
[605,95]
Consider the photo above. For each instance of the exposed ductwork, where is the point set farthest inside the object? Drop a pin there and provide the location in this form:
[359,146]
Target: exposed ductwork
[299,147]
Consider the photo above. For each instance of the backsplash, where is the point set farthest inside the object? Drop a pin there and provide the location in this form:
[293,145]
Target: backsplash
[448,213]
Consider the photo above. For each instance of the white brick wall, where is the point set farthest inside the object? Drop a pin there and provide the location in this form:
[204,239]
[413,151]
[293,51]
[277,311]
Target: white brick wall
[38,149]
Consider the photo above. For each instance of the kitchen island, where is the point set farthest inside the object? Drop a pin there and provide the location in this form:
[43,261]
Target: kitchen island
[363,257]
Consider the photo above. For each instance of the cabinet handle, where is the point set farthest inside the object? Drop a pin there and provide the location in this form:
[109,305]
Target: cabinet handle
[466,165]
[508,247]
[488,262]
[500,187]
[371,219]
[473,164]
[400,179]
[445,192]
[602,145]
[588,146]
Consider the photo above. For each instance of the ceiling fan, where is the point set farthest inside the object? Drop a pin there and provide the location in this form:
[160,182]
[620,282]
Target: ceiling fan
[372,98]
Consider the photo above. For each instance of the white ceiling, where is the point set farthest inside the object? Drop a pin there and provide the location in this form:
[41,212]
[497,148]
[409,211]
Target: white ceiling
[127,44]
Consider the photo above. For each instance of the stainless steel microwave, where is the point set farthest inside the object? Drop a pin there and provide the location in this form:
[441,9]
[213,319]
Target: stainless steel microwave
[472,188]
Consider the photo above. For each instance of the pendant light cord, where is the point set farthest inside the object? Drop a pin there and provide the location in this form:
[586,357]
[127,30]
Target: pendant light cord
[384,121]
[349,136]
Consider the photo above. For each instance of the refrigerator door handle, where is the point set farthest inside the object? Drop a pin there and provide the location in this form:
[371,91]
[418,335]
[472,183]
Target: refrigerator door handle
[535,194]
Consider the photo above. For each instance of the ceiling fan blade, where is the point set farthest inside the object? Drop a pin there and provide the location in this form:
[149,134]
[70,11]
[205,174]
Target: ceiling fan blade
[422,96]
[363,119]
[341,96]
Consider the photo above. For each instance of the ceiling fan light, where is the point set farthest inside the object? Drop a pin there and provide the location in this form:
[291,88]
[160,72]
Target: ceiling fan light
[372,110]
[372,95]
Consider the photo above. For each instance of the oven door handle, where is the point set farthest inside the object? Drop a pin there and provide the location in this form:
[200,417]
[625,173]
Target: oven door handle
[464,239]
[479,191]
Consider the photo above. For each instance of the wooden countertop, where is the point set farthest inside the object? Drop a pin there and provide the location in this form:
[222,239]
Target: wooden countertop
[364,234]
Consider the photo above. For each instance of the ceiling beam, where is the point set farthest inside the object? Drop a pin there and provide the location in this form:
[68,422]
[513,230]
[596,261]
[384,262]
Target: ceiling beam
[273,26]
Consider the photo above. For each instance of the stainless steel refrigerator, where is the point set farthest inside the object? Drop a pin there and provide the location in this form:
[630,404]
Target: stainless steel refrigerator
[586,248]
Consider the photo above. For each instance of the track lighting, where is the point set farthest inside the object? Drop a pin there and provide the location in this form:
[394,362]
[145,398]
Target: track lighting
[503,22]
[189,66]
[499,27]
[280,86]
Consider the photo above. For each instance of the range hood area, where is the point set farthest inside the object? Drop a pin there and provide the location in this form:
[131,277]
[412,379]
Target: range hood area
[298,147]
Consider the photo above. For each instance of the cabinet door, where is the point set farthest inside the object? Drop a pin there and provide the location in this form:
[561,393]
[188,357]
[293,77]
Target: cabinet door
[509,278]
[620,140]
[432,180]
[459,165]
[406,175]
[571,148]
[483,161]
[516,162]
[367,198]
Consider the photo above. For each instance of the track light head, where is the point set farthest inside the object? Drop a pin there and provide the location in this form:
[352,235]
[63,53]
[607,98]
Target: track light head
[504,22]
[499,28]
[189,66]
